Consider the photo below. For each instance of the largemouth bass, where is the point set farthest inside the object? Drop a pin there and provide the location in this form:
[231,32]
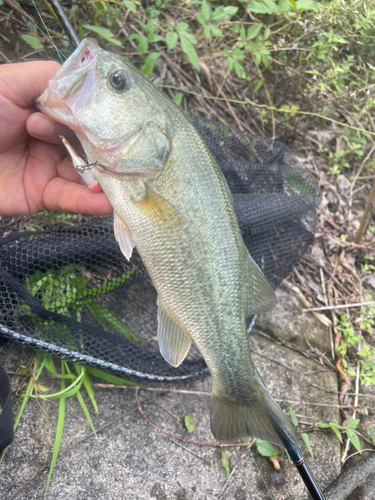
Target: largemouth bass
[171,200]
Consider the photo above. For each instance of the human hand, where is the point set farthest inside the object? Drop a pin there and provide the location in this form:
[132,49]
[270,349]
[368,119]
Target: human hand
[35,173]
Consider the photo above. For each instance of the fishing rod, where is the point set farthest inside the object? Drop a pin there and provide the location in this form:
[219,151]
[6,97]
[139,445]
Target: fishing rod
[293,451]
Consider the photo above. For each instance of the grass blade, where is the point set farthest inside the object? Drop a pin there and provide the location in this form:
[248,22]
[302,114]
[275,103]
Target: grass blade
[90,391]
[69,391]
[59,430]
[111,379]
[86,412]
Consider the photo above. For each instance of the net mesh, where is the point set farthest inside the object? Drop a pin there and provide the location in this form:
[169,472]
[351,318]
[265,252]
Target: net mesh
[67,290]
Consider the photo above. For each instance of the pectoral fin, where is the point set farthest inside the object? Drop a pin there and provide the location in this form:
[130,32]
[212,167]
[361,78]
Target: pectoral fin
[174,345]
[260,296]
[123,236]
[154,206]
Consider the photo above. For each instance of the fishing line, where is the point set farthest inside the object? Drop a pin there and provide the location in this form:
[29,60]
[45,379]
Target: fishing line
[49,36]
[261,475]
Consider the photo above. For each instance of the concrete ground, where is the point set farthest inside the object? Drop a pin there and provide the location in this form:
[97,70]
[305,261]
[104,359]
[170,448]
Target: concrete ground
[129,459]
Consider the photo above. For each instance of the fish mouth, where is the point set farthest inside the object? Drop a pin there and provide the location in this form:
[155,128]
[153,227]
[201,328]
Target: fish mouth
[71,88]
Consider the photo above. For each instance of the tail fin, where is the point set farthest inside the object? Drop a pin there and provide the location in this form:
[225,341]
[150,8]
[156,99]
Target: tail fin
[260,417]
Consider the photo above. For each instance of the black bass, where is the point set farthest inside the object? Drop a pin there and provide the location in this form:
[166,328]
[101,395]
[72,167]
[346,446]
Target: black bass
[171,200]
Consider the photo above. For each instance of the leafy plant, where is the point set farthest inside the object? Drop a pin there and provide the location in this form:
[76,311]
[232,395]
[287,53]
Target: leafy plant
[33,41]
[348,429]
[304,436]
[105,33]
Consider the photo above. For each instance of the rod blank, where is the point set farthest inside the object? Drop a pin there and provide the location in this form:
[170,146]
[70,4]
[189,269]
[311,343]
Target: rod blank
[65,23]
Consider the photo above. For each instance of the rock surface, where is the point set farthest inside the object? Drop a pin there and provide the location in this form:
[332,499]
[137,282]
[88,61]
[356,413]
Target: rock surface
[288,322]
[131,460]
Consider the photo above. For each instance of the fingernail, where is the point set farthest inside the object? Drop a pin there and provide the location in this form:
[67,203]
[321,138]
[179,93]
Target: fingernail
[42,127]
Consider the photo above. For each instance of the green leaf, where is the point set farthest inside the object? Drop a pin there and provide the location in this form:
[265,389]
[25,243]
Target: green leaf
[110,379]
[59,429]
[106,34]
[242,32]
[189,423]
[152,38]
[190,51]
[71,390]
[238,55]
[353,423]
[206,11]
[218,14]
[257,58]
[25,400]
[225,460]
[370,430]
[171,39]
[305,5]
[49,365]
[230,11]
[266,34]
[253,31]
[259,8]
[86,412]
[239,69]
[182,27]
[130,5]
[336,431]
[149,63]
[200,19]
[33,41]
[87,385]
[265,449]
[178,98]
[188,36]
[216,31]
[271,4]
[142,42]
[353,436]
[207,32]
[306,440]
[293,417]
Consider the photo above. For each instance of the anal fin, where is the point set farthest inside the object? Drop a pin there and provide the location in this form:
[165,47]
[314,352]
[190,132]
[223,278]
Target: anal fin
[260,297]
[123,236]
[173,343]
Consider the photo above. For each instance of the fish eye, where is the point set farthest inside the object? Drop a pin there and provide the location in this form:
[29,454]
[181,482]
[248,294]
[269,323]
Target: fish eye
[119,80]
